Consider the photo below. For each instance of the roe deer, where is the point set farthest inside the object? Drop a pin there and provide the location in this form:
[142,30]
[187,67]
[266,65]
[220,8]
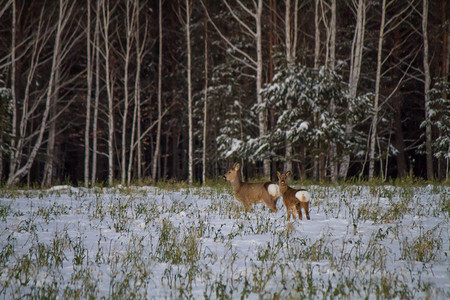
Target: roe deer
[249,193]
[292,198]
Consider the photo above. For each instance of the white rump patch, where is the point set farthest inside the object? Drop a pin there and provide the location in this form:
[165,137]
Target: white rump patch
[299,195]
[273,190]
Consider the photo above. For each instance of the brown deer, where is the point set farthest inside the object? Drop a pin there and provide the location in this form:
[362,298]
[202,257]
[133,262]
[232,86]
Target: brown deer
[293,199]
[249,193]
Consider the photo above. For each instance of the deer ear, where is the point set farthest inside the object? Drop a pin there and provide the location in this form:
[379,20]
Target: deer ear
[237,166]
[288,173]
[278,174]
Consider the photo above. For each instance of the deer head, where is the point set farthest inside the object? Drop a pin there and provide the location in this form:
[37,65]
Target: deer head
[282,178]
[232,173]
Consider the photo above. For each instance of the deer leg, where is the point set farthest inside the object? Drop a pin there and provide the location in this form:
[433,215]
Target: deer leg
[307,210]
[293,213]
[299,211]
[275,200]
[270,203]
[247,206]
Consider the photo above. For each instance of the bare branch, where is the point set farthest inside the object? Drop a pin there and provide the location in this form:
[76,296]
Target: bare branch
[249,30]
[226,39]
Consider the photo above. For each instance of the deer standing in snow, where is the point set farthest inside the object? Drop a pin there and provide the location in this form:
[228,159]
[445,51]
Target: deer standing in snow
[293,199]
[249,193]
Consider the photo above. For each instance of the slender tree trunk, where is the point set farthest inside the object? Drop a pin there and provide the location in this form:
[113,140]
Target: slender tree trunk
[20,132]
[316,35]
[50,156]
[355,70]
[138,103]
[290,62]
[22,140]
[426,67]
[447,173]
[97,93]
[294,44]
[373,135]
[272,33]
[205,105]
[444,72]
[446,63]
[88,95]
[139,143]
[262,122]
[333,35]
[321,145]
[14,177]
[133,134]
[13,161]
[137,87]
[138,124]
[130,19]
[156,156]
[316,66]
[106,13]
[332,61]
[191,131]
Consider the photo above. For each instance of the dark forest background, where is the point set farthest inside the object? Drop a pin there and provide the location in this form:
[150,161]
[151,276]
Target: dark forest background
[108,91]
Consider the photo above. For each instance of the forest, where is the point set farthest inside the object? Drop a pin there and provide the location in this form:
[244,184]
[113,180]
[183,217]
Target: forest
[140,91]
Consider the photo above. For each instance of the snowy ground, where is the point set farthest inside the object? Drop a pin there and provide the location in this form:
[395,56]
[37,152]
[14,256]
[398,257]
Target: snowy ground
[361,241]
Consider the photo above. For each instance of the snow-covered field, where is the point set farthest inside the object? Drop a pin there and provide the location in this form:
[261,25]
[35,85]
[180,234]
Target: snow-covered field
[361,242]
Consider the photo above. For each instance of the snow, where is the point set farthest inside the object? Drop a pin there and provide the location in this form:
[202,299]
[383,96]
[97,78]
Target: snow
[235,146]
[304,125]
[361,241]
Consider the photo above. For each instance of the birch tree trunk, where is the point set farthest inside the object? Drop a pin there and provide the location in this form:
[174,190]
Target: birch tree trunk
[13,75]
[205,105]
[19,128]
[332,61]
[88,95]
[316,34]
[50,156]
[16,175]
[13,161]
[272,35]
[262,122]
[139,143]
[106,14]
[130,19]
[426,67]
[290,62]
[133,134]
[158,127]
[445,67]
[137,100]
[316,66]
[377,93]
[333,35]
[191,131]
[97,93]
[355,70]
